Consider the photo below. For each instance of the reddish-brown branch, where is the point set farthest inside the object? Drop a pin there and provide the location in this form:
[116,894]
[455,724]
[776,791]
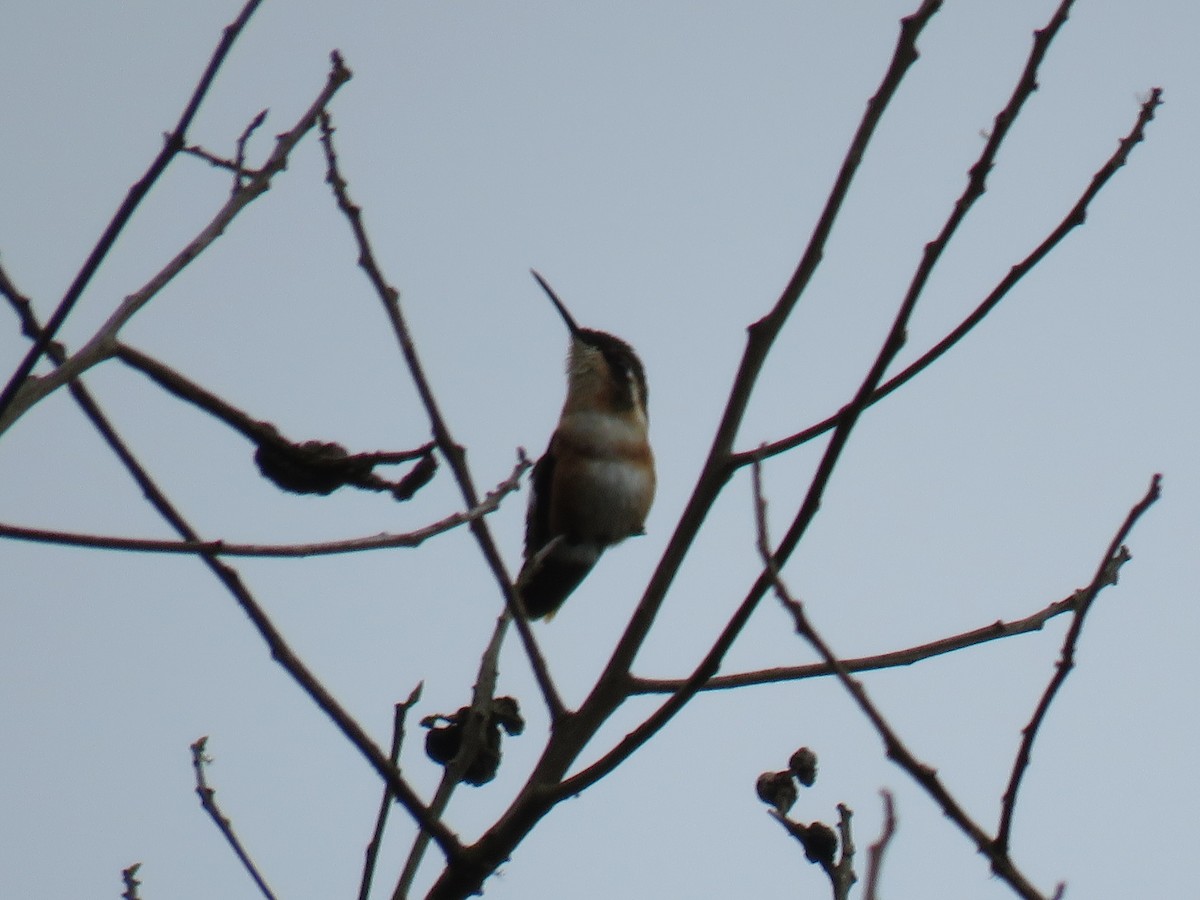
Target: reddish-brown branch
[314,467]
[227,548]
[102,344]
[400,714]
[280,650]
[876,851]
[129,879]
[1106,573]
[208,800]
[762,334]
[473,738]
[926,776]
[172,145]
[453,452]
[1074,218]
[546,786]
[892,659]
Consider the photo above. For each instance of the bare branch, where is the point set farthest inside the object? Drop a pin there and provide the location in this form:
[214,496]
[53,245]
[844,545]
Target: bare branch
[129,879]
[23,307]
[892,659]
[1074,218]
[820,842]
[282,653]
[1106,573]
[897,751]
[236,165]
[313,467]
[453,452]
[876,851]
[217,162]
[468,866]
[280,650]
[239,159]
[613,686]
[208,800]
[843,876]
[713,477]
[173,144]
[762,334]
[101,346]
[472,741]
[385,804]
[490,503]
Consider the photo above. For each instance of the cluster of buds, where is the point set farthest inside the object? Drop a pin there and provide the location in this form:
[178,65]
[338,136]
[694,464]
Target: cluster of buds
[779,791]
[446,735]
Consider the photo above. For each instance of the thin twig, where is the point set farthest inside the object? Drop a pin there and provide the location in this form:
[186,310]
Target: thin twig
[762,335]
[1075,217]
[208,800]
[876,851]
[819,841]
[220,547]
[171,146]
[842,428]
[385,803]
[547,784]
[101,345]
[1106,573]
[472,740]
[453,452]
[315,467]
[897,751]
[129,879]
[282,653]
[890,660]
[23,307]
[178,385]
[843,876]
[217,162]
[280,650]
[239,159]
[236,165]
[612,687]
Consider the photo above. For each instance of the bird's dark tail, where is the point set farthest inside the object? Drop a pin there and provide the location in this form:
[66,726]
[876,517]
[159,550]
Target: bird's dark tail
[549,577]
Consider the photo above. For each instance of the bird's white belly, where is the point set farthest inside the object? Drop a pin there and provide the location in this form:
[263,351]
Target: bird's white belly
[606,481]
[613,497]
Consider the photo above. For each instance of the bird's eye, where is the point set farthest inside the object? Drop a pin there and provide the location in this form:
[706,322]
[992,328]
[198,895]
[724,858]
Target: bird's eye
[620,367]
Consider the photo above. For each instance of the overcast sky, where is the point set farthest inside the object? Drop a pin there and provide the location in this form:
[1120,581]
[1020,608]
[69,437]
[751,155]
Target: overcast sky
[663,165]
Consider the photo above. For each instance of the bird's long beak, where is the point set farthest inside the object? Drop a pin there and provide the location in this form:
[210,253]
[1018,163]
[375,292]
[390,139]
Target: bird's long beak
[558,304]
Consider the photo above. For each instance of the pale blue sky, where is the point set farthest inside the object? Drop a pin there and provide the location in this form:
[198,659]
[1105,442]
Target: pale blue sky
[662,164]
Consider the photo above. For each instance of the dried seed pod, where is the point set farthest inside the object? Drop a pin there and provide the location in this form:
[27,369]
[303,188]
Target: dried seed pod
[777,789]
[803,764]
[820,843]
[314,467]
[445,738]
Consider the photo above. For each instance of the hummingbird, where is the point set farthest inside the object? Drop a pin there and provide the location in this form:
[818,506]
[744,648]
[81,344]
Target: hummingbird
[593,486]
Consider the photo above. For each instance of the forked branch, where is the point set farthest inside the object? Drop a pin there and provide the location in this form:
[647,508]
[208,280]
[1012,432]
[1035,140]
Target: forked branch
[171,146]
[23,392]
[220,547]
[208,799]
[1106,573]
[1075,217]
[897,751]
[892,659]
[453,452]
